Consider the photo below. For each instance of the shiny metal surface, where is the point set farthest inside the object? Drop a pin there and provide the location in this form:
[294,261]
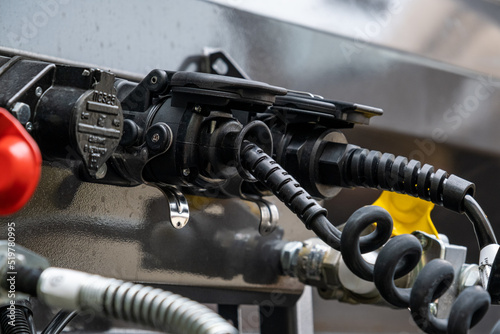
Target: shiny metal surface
[460,33]
[433,68]
[126,233]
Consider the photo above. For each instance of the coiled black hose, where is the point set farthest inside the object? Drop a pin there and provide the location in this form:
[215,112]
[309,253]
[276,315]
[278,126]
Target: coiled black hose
[397,258]
[435,278]
[401,251]
[350,238]
[401,254]
[469,308]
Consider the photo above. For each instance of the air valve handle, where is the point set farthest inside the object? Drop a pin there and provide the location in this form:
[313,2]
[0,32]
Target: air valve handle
[20,164]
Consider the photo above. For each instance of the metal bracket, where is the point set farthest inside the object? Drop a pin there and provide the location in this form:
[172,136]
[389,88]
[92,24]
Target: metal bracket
[434,248]
[215,61]
[269,216]
[178,206]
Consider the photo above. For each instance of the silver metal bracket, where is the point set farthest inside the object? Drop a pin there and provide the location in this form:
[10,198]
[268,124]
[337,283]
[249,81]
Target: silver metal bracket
[178,206]
[214,61]
[269,216]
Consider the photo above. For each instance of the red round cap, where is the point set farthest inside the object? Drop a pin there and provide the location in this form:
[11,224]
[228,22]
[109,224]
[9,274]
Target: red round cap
[20,164]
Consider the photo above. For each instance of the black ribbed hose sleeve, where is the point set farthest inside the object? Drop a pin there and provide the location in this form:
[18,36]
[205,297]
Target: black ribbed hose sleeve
[289,191]
[350,166]
[298,200]
[372,169]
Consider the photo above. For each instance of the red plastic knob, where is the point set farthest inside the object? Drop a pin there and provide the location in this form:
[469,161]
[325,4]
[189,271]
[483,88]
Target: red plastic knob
[20,164]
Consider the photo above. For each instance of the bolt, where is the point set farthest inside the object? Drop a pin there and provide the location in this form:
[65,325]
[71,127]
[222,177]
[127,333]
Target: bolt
[289,257]
[86,73]
[101,172]
[197,108]
[154,80]
[220,66]
[38,91]
[155,138]
[29,127]
[159,137]
[186,172]
[22,112]
[469,276]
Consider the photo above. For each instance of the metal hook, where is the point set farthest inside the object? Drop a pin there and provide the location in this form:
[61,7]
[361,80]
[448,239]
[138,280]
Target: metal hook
[269,216]
[178,206]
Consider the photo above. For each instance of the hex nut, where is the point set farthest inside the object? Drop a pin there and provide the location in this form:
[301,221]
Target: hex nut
[22,112]
[289,257]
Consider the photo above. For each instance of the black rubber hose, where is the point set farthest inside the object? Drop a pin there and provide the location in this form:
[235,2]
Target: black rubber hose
[59,322]
[298,200]
[324,229]
[351,237]
[289,191]
[282,184]
[432,282]
[469,308]
[484,232]
[398,257]
[20,321]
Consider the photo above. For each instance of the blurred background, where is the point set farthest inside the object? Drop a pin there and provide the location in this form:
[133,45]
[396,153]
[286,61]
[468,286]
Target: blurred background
[433,66]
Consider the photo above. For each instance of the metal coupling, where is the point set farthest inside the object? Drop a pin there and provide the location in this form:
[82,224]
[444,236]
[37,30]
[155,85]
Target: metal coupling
[289,257]
[315,263]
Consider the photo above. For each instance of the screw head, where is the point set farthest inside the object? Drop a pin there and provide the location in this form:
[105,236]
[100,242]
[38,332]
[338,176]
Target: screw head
[155,137]
[86,73]
[29,127]
[186,171]
[38,91]
[154,80]
[101,172]
[159,137]
[197,108]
